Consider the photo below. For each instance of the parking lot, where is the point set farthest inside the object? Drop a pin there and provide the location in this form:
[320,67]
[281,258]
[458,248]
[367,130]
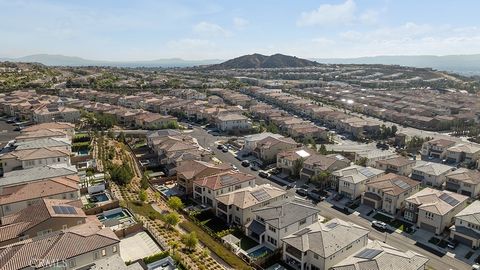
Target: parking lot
[7,132]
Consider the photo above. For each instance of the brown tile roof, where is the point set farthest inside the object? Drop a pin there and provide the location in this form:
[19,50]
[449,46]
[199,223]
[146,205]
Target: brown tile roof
[465,175]
[430,200]
[271,141]
[396,161]
[12,226]
[193,168]
[37,153]
[222,180]
[39,189]
[62,245]
[51,125]
[393,184]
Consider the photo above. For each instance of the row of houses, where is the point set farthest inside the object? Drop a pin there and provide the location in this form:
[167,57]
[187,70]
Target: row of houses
[42,221]
[357,127]
[277,221]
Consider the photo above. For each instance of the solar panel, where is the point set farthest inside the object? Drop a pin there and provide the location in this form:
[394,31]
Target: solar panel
[332,225]
[261,195]
[401,184]
[448,199]
[227,180]
[64,210]
[368,253]
[368,173]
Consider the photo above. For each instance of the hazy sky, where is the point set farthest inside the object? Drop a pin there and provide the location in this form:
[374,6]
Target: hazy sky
[207,29]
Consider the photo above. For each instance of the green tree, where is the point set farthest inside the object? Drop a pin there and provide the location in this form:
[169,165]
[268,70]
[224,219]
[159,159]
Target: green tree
[190,240]
[321,179]
[172,219]
[323,150]
[362,161]
[144,181]
[142,195]
[175,203]
[297,167]
[121,174]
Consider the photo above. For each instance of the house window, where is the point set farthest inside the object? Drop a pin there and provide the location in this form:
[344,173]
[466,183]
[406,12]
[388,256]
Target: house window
[72,263]
[271,228]
[237,219]
[303,221]
[315,255]
[104,252]
[95,255]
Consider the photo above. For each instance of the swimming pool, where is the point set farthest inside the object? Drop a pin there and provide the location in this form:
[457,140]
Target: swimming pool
[118,215]
[260,252]
[100,197]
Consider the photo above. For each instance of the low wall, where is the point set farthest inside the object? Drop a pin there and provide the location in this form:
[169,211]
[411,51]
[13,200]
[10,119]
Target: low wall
[104,207]
[122,233]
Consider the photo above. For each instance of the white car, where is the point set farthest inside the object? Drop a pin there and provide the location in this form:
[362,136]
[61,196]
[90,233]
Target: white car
[379,225]
[476,266]
[234,167]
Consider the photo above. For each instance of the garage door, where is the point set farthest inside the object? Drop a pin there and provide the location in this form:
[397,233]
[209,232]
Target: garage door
[462,240]
[466,193]
[427,227]
[367,202]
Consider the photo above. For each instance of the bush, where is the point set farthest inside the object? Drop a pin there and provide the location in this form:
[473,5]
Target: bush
[81,146]
[121,174]
[222,252]
[155,257]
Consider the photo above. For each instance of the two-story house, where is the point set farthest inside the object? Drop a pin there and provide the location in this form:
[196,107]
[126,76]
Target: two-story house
[286,159]
[30,158]
[315,164]
[463,153]
[206,189]
[323,245]
[433,210]
[388,192]
[229,122]
[190,170]
[436,148]
[237,206]
[464,181]
[279,219]
[398,165]
[351,180]
[467,226]
[430,173]
[268,148]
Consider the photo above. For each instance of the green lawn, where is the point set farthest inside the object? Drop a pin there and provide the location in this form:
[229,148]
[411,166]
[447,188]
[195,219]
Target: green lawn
[246,242]
[398,224]
[214,223]
[144,209]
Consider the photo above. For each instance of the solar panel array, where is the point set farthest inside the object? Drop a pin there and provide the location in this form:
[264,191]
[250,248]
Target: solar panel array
[368,253]
[401,184]
[65,210]
[261,195]
[332,225]
[368,173]
[448,199]
[227,180]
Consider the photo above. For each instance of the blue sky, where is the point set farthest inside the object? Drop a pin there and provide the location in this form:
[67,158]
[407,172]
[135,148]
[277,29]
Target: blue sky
[209,29]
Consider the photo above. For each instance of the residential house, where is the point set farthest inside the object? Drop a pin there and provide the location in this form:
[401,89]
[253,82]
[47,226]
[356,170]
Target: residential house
[154,120]
[430,173]
[464,181]
[377,255]
[37,174]
[50,143]
[42,134]
[190,170]
[316,164]
[371,157]
[351,180]
[69,128]
[388,192]
[279,219]
[436,148]
[467,226]
[52,113]
[207,188]
[29,158]
[286,160]
[398,165]
[231,122]
[463,153]
[268,148]
[323,245]
[252,140]
[433,210]
[91,242]
[237,206]
[14,198]
[40,218]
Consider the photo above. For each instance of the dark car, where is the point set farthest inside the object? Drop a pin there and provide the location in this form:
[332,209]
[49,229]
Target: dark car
[263,174]
[219,147]
[452,243]
[245,163]
[302,192]
[224,149]
[290,186]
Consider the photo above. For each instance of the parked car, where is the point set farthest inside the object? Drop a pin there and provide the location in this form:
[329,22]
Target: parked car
[245,163]
[220,147]
[476,266]
[224,149]
[234,167]
[303,190]
[379,225]
[452,243]
[190,126]
[290,186]
[263,174]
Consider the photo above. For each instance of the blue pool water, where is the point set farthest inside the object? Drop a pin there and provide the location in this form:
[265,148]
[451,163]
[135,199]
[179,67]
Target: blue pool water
[260,252]
[82,152]
[119,215]
[102,197]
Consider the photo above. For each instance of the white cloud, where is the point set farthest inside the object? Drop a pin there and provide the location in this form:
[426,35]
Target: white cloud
[323,42]
[240,23]
[369,17]
[210,30]
[328,14]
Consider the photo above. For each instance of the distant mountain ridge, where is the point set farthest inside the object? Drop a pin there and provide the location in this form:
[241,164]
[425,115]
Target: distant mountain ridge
[62,60]
[263,61]
[466,64]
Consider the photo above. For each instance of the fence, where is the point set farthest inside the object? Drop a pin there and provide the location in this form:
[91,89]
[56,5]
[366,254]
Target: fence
[156,236]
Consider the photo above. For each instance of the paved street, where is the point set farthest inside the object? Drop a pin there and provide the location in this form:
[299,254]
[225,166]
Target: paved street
[394,239]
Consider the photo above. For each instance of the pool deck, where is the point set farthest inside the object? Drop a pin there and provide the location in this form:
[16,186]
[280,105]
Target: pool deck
[137,246]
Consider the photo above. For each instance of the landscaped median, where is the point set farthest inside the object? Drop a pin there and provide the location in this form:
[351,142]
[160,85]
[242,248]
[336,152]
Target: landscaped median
[233,260]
